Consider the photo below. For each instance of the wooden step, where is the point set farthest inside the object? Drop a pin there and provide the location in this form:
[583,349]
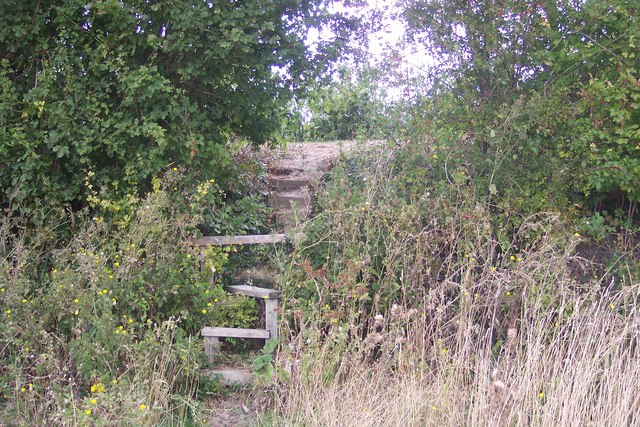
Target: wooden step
[209,332]
[212,337]
[254,291]
[283,184]
[260,239]
[290,199]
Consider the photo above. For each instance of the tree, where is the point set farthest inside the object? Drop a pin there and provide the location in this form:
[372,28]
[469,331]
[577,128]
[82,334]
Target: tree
[107,93]
[546,91]
[350,106]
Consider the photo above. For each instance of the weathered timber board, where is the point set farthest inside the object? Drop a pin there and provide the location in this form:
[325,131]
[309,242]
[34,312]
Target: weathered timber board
[234,333]
[254,291]
[260,239]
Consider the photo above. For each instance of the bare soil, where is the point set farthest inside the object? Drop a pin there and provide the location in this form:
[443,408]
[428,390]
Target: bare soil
[307,159]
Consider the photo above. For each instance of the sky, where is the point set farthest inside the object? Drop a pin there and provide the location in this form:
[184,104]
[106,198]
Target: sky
[414,60]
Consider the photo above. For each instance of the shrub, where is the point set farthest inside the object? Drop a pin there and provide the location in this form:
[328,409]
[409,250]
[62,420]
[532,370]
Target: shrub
[88,300]
[413,305]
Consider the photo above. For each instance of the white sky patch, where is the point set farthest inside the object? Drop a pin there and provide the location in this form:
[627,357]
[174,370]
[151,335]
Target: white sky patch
[386,42]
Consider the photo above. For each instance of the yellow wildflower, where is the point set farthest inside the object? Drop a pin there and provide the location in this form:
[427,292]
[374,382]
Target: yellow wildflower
[97,388]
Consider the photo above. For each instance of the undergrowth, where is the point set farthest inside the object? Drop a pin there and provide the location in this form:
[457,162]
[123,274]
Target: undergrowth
[419,305]
[101,315]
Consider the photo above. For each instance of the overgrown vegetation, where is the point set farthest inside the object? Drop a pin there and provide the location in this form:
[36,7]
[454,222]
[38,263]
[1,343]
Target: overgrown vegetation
[480,265]
[116,91]
[422,300]
[484,268]
[100,318]
[544,92]
[351,106]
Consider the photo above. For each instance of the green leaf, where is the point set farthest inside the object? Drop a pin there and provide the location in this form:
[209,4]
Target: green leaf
[270,346]
[261,362]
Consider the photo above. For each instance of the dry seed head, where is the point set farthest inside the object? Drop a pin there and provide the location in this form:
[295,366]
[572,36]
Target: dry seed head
[499,386]
[376,337]
[395,309]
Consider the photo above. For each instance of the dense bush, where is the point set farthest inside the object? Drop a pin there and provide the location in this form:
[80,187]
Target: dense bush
[412,303]
[538,103]
[350,106]
[393,227]
[101,321]
[119,90]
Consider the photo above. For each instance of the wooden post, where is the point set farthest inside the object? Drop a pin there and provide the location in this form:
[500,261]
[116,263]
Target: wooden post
[211,348]
[271,316]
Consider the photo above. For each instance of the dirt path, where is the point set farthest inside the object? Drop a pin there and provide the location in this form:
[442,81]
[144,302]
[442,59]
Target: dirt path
[307,159]
[293,174]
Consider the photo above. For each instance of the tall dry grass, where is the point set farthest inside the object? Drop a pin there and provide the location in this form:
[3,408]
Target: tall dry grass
[551,370]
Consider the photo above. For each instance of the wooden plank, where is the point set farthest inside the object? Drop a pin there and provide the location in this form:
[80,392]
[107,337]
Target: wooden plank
[254,291]
[271,317]
[234,333]
[259,239]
